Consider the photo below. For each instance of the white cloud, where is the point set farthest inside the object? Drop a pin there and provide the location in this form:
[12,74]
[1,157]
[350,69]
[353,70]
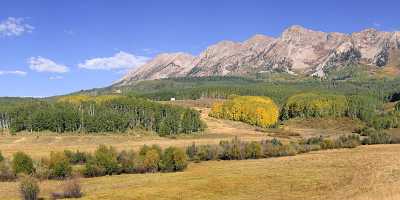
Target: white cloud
[120,60]
[149,50]
[376,24]
[56,77]
[41,64]
[14,27]
[69,32]
[16,72]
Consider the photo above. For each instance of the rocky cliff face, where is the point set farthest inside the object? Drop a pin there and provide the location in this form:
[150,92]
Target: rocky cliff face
[297,51]
[165,65]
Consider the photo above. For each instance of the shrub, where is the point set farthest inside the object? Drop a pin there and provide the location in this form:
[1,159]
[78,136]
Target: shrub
[174,159]
[127,160]
[68,153]
[77,157]
[191,151]
[314,140]
[143,150]
[1,157]
[349,141]
[274,148]
[29,188]
[377,137]
[151,161]
[254,110]
[225,150]
[92,169]
[232,150]
[327,144]
[70,189]
[106,158]
[303,148]
[22,163]
[157,148]
[287,150]
[253,150]
[207,152]
[271,148]
[365,131]
[385,120]
[397,106]
[6,172]
[42,170]
[59,165]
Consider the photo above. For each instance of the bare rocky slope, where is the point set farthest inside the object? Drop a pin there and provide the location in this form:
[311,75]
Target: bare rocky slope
[297,51]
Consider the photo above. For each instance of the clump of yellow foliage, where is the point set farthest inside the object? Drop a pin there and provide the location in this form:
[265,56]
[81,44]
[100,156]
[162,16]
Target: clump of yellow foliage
[254,110]
[79,99]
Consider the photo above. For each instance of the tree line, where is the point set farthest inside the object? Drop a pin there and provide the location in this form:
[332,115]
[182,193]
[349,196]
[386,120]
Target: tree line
[99,114]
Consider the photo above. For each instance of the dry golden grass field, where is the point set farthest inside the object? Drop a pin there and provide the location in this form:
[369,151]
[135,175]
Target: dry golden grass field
[367,172]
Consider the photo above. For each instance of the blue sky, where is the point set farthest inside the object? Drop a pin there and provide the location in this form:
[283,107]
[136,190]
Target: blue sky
[52,47]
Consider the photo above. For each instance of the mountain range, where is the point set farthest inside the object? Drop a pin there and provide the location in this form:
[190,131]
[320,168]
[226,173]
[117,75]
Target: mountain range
[298,51]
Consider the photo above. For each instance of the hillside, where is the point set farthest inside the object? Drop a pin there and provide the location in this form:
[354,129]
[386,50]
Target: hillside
[298,51]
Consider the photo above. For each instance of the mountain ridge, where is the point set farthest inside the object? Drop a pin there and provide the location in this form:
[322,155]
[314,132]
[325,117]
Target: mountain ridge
[297,50]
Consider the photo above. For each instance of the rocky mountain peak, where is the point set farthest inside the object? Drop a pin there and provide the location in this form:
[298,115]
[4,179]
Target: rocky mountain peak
[298,50]
[259,38]
[299,34]
[258,42]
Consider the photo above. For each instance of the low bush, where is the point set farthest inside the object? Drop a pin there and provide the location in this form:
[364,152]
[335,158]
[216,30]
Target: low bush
[349,141]
[6,172]
[279,150]
[287,150]
[128,161]
[151,161]
[42,170]
[106,158]
[1,157]
[22,163]
[232,150]
[328,144]
[173,159]
[385,120]
[29,188]
[207,152]
[143,150]
[271,148]
[92,169]
[314,140]
[191,151]
[71,188]
[59,165]
[253,150]
[344,141]
[303,148]
[365,131]
[77,157]
[377,137]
